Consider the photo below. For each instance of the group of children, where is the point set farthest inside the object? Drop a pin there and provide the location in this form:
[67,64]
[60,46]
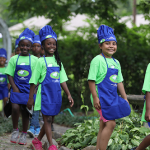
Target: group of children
[37,81]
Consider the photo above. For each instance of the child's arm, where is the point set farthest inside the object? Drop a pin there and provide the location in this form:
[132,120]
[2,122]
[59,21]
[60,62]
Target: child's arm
[12,83]
[8,85]
[31,100]
[96,101]
[122,91]
[147,114]
[65,88]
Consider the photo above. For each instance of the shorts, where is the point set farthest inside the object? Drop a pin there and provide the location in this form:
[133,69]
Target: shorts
[4,93]
[101,116]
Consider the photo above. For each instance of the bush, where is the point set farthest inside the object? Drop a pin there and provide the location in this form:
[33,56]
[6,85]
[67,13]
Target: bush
[128,133]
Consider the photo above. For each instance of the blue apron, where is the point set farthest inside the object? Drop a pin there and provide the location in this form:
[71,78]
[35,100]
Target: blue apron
[3,86]
[21,78]
[113,106]
[51,98]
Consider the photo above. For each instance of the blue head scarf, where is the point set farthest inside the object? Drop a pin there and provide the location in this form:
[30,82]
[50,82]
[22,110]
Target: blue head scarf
[105,33]
[47,32]
[27,34]
[16,43]
[3,53]
[37,39]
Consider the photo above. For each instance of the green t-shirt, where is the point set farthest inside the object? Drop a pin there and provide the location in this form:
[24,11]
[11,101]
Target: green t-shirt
[23,60]
[146,88]
[146,85]
[2,72]
[39,74]
[98,70]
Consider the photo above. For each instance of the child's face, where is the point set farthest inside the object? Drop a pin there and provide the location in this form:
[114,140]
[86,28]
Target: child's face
[108,48]
[42,51]
[2,61]
[17,51]
[49,46]
[36,49]
[25,46]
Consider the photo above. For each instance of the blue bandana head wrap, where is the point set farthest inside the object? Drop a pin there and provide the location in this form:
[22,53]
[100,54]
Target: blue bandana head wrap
[16,43]
[27,34]
[47,32]
[3,53]
[37,39]
[105,33]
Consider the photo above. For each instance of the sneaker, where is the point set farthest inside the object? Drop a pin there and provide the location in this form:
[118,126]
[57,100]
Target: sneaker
[37,131]
[31,131]
[53,147]
[36,144]
[22,139]
[52,127]
[14,136]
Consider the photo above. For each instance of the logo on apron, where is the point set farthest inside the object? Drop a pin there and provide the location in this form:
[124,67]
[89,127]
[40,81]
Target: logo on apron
[113,78]
[112,67]
[54,75]
[23,73]
[2,80]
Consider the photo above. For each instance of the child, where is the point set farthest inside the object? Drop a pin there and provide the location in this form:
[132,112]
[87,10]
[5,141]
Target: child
[36,47]
[3,77]
[17,49]
[104,78]
[50,73]
[34,129]
[146,110]
[19,70]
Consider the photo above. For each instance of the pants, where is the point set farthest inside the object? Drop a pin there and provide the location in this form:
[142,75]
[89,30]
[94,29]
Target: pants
[34,121]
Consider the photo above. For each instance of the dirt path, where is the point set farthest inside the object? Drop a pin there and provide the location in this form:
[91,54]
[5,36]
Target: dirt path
[5,143]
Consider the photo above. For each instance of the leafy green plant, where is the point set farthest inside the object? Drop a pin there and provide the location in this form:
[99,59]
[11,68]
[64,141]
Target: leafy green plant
[6,125]
[85,107]
[128,133]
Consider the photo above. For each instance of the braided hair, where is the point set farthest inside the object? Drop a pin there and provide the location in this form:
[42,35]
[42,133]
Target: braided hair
[55,54]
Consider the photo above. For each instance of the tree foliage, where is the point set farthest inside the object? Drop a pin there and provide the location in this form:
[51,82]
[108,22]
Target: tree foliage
[77,48]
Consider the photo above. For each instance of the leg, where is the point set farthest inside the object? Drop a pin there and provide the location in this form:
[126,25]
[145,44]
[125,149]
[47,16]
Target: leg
[25,122]
[102,125]
[5,100]
[15,118]
[106,133]
[145,143]
[52,127]
[42,133]
[47,128]
[15,115]
[25,118]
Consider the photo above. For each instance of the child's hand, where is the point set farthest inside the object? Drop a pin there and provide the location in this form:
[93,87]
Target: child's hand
[30,103]
[96,103]
[147,115]
[127,101]
[70,101]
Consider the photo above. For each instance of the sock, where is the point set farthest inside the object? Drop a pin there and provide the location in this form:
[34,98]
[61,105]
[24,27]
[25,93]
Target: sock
[16,129]
[24,132]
